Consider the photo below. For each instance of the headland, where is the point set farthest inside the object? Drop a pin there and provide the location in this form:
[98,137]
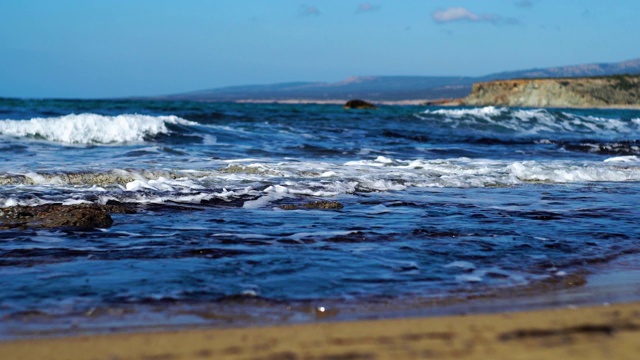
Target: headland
[620,91]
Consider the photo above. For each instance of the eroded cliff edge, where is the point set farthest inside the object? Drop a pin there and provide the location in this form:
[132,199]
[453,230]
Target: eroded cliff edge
[622,91]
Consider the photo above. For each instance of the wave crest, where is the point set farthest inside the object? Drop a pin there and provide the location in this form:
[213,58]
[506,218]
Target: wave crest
[526,122]
[92,128]
[265,183]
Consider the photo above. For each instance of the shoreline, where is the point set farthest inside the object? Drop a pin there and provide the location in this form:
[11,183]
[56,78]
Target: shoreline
[330,102]
[596,332]
[597,317]
[420,102]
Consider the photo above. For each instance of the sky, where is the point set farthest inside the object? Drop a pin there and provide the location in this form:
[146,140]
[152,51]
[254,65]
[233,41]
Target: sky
[119,48]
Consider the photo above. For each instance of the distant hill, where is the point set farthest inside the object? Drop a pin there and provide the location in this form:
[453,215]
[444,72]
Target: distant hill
[374,88]
[394,88]
[620,68]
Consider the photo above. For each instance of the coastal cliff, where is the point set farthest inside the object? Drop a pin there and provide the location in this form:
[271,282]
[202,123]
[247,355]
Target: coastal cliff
[620,91]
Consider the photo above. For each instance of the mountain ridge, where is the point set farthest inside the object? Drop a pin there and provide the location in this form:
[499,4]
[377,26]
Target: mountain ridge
[394,88]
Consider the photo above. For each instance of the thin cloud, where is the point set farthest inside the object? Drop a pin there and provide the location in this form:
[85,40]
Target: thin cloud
[458,14]
[454,14]
[366,7]
[307,10]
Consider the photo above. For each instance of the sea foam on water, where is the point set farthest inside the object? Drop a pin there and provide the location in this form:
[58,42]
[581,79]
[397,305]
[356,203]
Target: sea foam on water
[433,203]
[91,128]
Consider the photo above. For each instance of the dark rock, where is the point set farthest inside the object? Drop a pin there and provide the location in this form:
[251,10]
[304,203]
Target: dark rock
[82,216]
[289,207]
[318,205]
[359,104]
[326,205]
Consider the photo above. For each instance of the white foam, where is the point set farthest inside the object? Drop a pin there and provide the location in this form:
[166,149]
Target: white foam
[384,160]
[567,172]
[39,179]
[273,193]
[75,202]
[625,159]
[364,162]
[484,112]
[378,209]
[276,181]
[240,160]
[146,197]
[532,121]
[469,278]
[464,265]
[162,184]
[137,185]
[10,202]
[290,179]
[91,128]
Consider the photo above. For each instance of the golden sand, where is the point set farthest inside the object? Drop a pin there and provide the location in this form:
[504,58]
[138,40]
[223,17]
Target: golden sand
[601,332]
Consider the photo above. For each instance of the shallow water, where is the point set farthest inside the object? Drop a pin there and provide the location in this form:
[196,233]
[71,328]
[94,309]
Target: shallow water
[437,202]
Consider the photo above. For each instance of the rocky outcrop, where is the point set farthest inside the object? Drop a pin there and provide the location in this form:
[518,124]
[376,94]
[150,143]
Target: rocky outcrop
[611,91]
[121,177]
[317,205]
[80,216]
[359,104]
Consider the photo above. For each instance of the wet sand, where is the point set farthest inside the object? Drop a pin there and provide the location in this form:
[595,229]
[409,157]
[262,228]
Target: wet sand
[611,332]
[599,318]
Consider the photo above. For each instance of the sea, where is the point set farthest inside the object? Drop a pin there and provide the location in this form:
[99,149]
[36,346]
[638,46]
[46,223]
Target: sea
[431,203]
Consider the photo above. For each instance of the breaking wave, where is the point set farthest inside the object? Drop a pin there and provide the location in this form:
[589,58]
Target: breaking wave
[92,128]
[533,122]
[262,184]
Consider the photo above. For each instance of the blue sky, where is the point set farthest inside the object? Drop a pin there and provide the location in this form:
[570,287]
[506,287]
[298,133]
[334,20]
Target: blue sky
[111,48]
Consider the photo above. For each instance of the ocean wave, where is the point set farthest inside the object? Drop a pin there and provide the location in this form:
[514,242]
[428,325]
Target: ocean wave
[484,112]
[257,185]
[327,179]
[630,147]
[527,122]
[92,128]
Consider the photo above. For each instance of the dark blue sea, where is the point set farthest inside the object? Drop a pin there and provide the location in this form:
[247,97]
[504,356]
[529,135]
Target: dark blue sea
[436,203]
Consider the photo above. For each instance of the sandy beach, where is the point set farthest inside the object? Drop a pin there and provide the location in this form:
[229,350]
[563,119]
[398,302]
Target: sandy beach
[319,180]
[600,332]
[527,250]
[595,319]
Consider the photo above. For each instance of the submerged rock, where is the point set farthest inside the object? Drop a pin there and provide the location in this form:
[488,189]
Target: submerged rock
[359,104]
[109,178]
[82,216]
[319,205]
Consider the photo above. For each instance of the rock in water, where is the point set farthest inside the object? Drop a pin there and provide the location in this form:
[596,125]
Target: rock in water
[317,205]
[359,104]
[82,216]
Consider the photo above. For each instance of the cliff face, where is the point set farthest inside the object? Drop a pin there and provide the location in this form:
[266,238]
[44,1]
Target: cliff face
[612,91]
